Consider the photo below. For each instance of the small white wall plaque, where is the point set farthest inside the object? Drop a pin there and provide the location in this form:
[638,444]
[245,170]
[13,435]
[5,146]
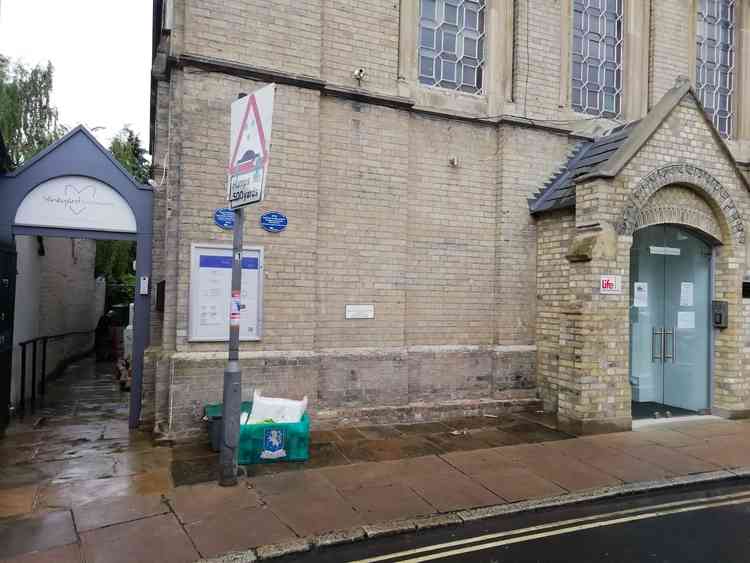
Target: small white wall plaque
[360,311]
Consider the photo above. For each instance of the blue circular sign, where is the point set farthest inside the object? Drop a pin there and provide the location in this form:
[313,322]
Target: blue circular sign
[224,218]
[274,221]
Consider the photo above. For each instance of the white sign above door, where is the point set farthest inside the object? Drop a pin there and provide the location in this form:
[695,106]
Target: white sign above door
[76,202]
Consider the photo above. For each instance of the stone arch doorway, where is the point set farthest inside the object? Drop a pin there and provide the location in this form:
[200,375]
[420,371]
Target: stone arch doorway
[76,189]
[687,237]
[671,288]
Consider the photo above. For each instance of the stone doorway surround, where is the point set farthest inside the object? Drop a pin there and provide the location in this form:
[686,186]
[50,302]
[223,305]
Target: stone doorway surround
[670,167]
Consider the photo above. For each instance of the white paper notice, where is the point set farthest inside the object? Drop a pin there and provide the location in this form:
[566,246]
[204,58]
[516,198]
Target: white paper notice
[686,294]
[685,319]
[640,294]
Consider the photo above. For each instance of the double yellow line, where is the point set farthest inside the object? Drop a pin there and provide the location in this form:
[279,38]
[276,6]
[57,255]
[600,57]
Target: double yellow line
[489,541]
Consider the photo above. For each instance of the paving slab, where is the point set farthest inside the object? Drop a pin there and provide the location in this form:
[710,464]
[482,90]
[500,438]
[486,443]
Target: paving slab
[12,476]
[70,553]
[198,502]
[290,483]
[349,434]
[515,484]
[530,432]
[471,422]
[701,429]
[570,473]
[620,440]
[579,449]
[88,467]
[236,530]
[195,470]
[479,460]
[379,432]
[495,437]
[387,502]
[729,456]
[17,500]
[314,512]
[421,428]
[105,513]
[628,468]
[675,461]
[452,491]
[670,438]
[448,442]
[76,493]
[160,538]
[36,533]
[389,449]
[418,466]
[358,475]
[323,437]
[191,451]
[133,462]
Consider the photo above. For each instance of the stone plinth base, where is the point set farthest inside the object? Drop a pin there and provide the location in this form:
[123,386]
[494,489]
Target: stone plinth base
[356,385]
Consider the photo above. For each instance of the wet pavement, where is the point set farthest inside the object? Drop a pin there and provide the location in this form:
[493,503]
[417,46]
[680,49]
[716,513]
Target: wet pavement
[76,484]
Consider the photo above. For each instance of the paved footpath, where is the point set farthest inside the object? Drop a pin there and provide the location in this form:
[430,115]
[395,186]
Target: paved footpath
[76,485]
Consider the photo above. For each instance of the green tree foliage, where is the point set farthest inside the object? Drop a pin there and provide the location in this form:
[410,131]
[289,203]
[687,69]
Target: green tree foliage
[126,148]
[28,120]
[114,258]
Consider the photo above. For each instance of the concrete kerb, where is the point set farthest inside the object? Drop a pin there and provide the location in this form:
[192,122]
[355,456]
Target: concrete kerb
[392,527]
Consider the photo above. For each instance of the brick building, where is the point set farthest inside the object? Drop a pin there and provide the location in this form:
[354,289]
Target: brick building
[497,178]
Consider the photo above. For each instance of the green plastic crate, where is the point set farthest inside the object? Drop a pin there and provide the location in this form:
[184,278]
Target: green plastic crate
[268,442]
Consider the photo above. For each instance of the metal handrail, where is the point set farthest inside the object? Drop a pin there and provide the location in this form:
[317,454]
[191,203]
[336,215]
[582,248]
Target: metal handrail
[56,336]
[33,342]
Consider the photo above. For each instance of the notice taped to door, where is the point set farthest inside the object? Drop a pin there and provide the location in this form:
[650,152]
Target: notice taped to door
[640,294]
[686,294]
[686,319]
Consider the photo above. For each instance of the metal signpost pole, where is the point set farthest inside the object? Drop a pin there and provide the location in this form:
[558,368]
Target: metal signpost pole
[250,134]
[232,401]
[233,373]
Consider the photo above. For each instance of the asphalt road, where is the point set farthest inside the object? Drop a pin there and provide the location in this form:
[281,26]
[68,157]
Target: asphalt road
[707,523]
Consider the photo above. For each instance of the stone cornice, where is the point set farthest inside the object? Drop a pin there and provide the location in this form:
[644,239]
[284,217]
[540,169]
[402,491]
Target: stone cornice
[222,66]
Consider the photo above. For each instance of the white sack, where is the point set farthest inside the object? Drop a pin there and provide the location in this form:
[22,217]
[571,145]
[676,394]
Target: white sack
[278,410]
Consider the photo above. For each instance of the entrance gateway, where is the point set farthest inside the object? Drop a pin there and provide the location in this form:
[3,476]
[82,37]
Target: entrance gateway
[670,328]
[76,189]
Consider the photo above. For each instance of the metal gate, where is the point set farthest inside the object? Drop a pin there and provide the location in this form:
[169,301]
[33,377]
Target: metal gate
[7,299]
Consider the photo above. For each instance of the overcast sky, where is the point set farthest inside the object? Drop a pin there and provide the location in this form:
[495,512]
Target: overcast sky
[101,51]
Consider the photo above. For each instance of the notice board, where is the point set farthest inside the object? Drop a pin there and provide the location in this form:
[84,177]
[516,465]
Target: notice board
[210,285]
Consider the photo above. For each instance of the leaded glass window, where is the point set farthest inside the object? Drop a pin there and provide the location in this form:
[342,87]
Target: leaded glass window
[715,61]
[451,44]
[597,57]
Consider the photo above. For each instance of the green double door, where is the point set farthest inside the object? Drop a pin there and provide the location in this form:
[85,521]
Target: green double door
[670,330]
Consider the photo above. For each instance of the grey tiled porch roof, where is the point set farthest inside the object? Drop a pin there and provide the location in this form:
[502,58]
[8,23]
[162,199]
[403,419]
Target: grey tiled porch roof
[606,156]
[559,191]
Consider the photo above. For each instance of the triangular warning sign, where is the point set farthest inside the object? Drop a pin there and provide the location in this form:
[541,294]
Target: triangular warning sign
[250,138]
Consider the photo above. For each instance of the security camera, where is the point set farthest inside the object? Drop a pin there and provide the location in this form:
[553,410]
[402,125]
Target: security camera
[359,74]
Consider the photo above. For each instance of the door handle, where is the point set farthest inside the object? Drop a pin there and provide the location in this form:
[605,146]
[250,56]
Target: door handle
[654,334]
[667,333]
[674,344]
